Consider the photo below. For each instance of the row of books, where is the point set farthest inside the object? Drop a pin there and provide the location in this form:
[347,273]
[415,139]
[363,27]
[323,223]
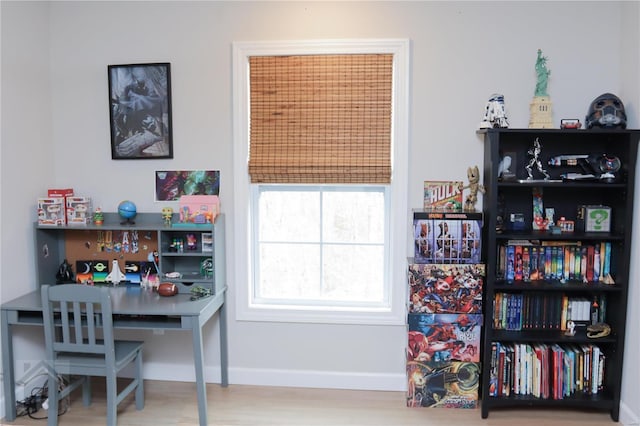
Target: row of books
[545,371]
[555,260]
[540,311]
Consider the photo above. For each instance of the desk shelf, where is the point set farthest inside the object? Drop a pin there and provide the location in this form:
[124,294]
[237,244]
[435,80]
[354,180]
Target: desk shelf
[54,245]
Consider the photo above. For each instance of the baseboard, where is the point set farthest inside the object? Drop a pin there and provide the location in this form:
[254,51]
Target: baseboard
[288,378]
[627,416]
[319,379]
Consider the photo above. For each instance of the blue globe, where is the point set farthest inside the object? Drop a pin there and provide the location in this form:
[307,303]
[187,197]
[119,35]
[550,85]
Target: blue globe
[127,210]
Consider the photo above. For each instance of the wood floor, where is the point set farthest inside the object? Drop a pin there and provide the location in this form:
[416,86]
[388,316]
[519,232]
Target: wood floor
[175,403]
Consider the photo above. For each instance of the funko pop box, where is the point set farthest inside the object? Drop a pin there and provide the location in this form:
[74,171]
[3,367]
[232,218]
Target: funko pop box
[51,211]
[78,210]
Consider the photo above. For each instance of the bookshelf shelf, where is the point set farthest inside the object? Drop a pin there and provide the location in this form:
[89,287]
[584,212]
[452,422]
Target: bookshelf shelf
[538,280]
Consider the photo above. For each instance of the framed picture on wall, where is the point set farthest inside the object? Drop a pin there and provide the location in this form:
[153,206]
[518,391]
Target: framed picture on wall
[173,184]
[140,111]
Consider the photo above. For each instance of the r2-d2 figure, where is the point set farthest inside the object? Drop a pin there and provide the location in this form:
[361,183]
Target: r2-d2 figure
[494,114]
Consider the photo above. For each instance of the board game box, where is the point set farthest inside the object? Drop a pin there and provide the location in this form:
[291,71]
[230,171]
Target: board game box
[447,237]
[453,385]
[446,288]
[438,339]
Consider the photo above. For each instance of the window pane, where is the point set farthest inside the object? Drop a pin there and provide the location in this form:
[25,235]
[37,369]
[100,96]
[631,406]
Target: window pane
[354,273]
[289,216]
[354,217]
[289,271]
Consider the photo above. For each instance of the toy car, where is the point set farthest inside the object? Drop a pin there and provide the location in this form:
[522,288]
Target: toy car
[570,123]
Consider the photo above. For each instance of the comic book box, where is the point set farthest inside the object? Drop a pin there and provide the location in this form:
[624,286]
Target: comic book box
[444,334]
[453,385]
[447,237]
[443,354]
[445,288]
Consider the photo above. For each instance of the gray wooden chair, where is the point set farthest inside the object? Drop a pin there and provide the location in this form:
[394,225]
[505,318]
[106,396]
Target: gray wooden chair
[75,350]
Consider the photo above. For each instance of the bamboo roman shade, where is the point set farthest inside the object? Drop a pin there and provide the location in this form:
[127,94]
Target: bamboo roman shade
[321,118]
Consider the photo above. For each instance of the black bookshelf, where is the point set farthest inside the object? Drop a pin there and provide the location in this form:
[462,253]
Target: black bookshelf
[515,196]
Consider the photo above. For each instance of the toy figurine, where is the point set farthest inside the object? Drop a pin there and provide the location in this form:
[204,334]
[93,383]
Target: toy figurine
[167,214]
[571,328]
[116,275]
[98,216]
[473,175]
[535,152]
[494,113]
[65,273]
[542,75]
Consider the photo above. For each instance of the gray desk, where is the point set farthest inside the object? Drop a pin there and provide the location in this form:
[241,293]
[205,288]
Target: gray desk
[133,308]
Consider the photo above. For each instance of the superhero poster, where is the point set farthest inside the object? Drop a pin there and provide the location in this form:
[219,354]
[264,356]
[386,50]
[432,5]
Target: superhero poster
[454,385]
[445,288]
[437,339]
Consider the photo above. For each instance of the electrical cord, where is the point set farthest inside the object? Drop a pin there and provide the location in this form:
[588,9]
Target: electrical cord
[39,398]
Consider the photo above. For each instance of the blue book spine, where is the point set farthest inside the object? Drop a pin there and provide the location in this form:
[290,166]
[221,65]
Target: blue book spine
[511,263]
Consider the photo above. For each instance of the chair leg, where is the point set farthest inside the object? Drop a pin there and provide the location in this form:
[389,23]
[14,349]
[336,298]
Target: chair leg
[86,391]
[112,398]
[52,394]
[140,387]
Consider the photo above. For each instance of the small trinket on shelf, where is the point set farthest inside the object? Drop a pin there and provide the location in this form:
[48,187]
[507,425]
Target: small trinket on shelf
[98,216]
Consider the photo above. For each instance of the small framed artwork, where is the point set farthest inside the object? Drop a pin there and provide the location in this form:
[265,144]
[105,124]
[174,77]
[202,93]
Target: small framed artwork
[173,184]
[140,111]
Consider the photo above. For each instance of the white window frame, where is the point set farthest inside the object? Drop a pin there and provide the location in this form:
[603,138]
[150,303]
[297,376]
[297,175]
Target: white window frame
[399,221]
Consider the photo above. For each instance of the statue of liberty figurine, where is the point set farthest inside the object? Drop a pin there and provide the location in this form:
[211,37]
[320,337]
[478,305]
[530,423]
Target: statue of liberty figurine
[543,75]
[541,116]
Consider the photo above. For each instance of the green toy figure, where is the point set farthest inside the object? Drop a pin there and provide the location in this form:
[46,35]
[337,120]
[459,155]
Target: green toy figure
[167,214]
[98,216]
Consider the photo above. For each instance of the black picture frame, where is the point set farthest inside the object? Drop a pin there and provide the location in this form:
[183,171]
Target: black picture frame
[140,111]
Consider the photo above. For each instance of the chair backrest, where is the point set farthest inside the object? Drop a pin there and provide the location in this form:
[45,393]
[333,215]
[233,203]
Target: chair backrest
[79,310]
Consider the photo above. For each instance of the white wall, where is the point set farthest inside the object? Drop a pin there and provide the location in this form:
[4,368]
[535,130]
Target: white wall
[630,411]
[26,150]
[461,53]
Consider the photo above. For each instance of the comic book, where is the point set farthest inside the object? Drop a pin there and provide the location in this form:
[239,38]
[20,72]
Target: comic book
[446,288]
[453,385]
[437,339]
[443,196]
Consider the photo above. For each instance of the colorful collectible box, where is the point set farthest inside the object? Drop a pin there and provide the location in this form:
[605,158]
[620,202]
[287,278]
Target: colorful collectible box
[441,237]
[437,339]
[445,288]
[453,385]
[443,196]
[51,211]
[78,210]
[199,209]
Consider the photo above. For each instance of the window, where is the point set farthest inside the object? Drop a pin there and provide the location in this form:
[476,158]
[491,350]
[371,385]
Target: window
[309,249]
[336,238]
